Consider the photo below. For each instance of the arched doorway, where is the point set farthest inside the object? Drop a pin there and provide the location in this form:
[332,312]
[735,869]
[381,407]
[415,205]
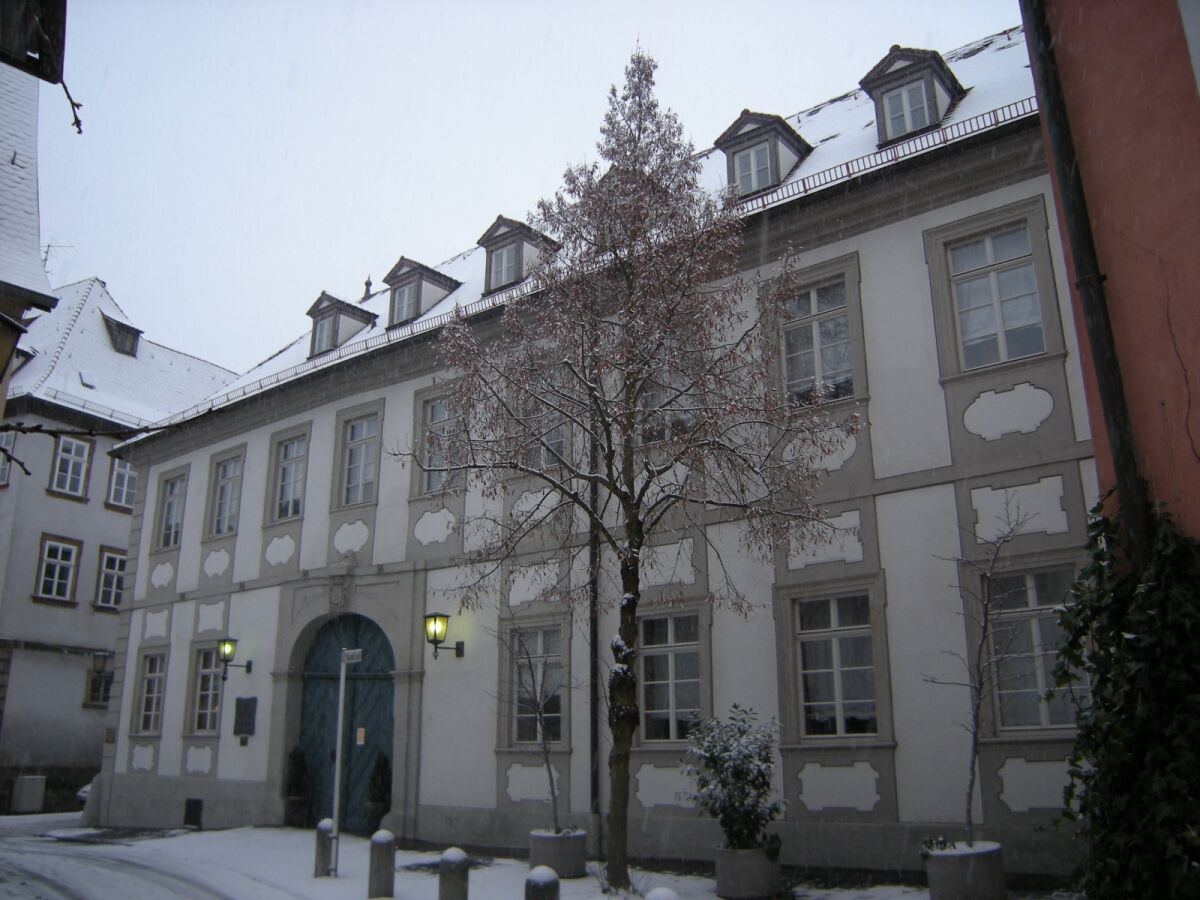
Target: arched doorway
[368,714]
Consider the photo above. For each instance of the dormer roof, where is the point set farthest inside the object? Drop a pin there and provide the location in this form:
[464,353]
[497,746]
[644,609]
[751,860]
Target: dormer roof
[899,58]
[503,227]
[327,301]
[750,124]
[405,266]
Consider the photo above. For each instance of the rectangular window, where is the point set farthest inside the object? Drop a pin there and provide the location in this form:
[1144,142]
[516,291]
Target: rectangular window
[99,688]
[538,675]
[149,709]
[122,484]
[226,496]
[996,297]
[170,512]
[290,455]
[8,440]
[817,355]
[752,168]
[360,455]
[837,669]
[56,574]
[70,467]
[206,700]
[906,109]
[110,584]
[404,302]
[438,429]
[1025,641]
[322,338]
[504,265]
[544,453]
[670,676]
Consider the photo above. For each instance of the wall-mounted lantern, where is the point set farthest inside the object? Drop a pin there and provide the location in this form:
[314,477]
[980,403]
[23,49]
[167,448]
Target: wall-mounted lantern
[226,650]
[435,633]
[100,661]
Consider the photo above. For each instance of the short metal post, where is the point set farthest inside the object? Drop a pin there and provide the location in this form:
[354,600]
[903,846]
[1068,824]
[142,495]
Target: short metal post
[381,871]
[453,875]
[541,884]
[324,848]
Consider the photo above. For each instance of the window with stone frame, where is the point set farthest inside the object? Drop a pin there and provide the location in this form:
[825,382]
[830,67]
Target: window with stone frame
[836,666]
[226,496]
[671,676]
[291,456]
[169,521]
[98,690]
[818,353]
[8,441]
[151,684]
[536,653]
[1025,642]
[906,109]
[360,460]
[122,484]
[438,425]
[206,691]
[70,471]
[110,580]
[58,568]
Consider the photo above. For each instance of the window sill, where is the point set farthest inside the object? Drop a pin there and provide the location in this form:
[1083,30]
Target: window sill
[101,706]
[1025,362]
[54,601]
[556,749]
[105,608]
[201,736]
[64,495]
[1056,734]
[214,538]
[345,506]
[290,520]
[162,551]
[838,742]
[117,508]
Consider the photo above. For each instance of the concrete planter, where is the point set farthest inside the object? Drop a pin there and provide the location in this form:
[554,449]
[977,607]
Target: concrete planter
[746,874]
[966,873]
[565,852]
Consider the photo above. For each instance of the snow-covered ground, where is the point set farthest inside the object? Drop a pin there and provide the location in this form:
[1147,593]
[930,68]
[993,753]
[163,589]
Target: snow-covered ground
[277,863]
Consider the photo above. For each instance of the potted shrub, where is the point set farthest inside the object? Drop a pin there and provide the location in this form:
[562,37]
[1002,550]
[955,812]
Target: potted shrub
[733,761]
[295,790]
[379,792]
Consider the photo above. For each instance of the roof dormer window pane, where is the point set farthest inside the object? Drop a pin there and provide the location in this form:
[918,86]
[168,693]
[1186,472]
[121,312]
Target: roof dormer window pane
[404,302]
[906,109]
[323,334]
[752,167]
[504,265]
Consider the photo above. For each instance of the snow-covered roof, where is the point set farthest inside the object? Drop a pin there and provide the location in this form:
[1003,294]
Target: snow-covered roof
[20,259]
[842,131]
[73,364]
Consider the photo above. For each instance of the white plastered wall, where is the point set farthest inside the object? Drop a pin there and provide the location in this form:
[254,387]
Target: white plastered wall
[175,703]
[252,618]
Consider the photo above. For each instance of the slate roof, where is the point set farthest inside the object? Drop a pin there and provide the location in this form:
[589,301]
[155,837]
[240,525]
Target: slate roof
[74,365]
[842,131]
[20,236]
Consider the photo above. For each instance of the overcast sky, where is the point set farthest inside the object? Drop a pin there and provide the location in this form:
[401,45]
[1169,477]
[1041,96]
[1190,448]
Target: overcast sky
[239,157]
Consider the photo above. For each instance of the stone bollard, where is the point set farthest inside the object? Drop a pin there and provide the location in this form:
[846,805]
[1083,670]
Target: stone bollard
[662,893]
[453,875]
[541,884]
[381,871]
[324,855]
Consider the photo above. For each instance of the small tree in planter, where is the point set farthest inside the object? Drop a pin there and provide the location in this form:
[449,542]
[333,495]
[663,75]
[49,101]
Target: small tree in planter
[733,762]
[295,790]
[379,791]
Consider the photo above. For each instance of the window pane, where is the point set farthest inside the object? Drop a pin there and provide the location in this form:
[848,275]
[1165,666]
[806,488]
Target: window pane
[853,611]
[855,651]
[1054,587]
[797,340]
[687,665]
[657,667]
[820,719]
[687,695]
[1010,244]
[1019,709]
[966,257]
[860,718]
[1025,341]
[658,696]
[658,726]
[1008,592]
[981,352]
[816,655]
[973,294]
[858,684]
[654,631]
[1016,673]
[818,686]
[831,296]
[687,629]
[814,615]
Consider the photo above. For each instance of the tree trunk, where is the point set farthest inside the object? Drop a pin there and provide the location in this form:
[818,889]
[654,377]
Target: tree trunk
[623,720]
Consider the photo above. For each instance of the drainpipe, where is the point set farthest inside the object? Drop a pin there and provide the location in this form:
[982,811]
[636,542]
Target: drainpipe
[1131,489]
[594,651]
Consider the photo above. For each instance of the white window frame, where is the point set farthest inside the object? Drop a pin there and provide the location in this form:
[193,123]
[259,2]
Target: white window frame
[907,109]
[288,486]
[58,569]
[504,265]
[324,334]
[97,689]
[8,440]
[537,656]
[110,579]
[405,301]
[359,482]
[1028,622]
[834,634]
[435,431]
[673,651]
[205,715]
[70,473]
[226,497]
[752,168]
[152,679]
[808,318]
[122,484]
[172,493]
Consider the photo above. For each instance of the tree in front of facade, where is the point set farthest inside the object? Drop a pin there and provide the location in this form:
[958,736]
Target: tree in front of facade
[633,395]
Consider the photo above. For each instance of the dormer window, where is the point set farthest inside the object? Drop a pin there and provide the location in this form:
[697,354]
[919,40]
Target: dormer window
[124,338]
[513,249]
[335,322]
[905,109]
[913,91]
[761,150]
[322,339]
[752,167]
[404,302]
[416,289]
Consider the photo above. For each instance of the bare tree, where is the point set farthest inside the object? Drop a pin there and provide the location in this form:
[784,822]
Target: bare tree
[634,392]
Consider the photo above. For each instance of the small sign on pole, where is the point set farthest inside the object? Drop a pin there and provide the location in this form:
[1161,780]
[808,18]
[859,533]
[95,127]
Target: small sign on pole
[348,657]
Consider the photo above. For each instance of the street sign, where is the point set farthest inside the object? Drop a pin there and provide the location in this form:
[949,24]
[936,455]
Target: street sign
[352,656]
[348,656]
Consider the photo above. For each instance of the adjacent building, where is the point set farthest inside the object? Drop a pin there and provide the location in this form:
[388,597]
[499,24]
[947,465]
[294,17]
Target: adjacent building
[935,307]
[84,378]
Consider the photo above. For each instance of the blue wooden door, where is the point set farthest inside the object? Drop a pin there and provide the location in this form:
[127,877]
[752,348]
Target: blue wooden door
[368,715]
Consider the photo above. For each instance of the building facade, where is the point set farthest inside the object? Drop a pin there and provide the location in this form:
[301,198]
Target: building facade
[84,377]
[280,512]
